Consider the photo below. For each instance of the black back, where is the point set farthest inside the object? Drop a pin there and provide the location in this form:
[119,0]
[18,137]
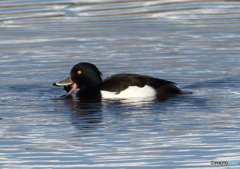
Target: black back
[120,82]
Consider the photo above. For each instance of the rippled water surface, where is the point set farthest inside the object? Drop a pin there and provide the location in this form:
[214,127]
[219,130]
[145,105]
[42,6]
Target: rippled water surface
[194,43]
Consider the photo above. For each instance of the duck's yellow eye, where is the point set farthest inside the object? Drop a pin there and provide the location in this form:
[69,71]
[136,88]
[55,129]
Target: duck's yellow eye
[79,72]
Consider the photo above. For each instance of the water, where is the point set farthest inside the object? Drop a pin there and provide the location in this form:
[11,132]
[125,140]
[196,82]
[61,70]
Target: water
[193,43]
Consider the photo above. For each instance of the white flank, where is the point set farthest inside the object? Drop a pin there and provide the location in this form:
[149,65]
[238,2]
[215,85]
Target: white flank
[130,92]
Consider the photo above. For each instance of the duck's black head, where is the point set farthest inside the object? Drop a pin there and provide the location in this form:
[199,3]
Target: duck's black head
[85,75]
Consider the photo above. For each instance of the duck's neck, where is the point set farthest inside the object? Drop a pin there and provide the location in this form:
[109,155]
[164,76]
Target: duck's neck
[90,94]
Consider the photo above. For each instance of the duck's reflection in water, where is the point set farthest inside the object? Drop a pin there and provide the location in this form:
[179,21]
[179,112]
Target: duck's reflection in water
[85,116]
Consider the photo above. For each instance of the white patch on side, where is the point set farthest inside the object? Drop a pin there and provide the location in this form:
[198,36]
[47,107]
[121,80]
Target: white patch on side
[130,92]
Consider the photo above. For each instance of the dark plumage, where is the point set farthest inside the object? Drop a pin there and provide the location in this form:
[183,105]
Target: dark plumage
[87,77]
[120,82]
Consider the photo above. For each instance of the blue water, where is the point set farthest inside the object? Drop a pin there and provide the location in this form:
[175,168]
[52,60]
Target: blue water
[193,43]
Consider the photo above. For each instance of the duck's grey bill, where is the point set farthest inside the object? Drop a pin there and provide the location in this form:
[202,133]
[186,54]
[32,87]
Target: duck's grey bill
[64,82]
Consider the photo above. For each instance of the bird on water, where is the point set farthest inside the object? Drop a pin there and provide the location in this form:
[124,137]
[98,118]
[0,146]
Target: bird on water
[88,78]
